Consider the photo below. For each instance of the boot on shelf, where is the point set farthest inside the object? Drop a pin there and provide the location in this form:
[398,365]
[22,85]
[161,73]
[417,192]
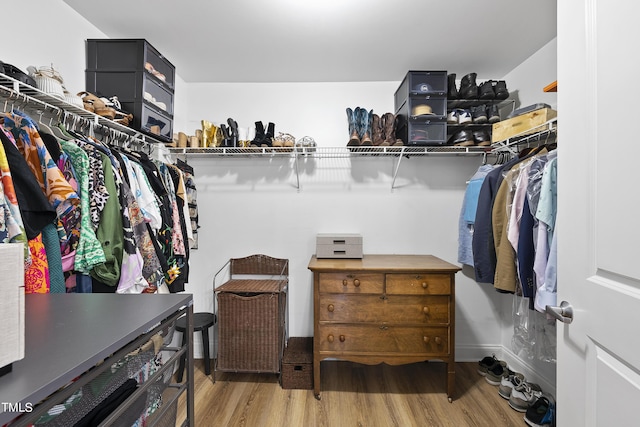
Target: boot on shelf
[500,89]
[365,120]
[377,131]
[258,139]
[233,132]
[389,125]
[468,87]
[452,90]
[485,91]
[354,138]
[269,134]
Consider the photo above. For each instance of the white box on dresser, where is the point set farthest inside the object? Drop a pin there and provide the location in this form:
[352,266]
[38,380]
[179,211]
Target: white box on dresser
[347,245]
[11,304]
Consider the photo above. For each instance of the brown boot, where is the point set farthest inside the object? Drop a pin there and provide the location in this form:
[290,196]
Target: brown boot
[377,131]
[389,126]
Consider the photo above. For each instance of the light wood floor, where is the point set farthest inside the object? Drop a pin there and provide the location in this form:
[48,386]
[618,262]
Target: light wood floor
[353,395]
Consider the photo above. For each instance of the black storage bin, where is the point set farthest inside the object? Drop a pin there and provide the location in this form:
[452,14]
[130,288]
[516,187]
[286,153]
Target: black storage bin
[421,108]
[141,78]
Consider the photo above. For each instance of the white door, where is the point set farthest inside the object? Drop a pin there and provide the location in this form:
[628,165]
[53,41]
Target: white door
[598,369]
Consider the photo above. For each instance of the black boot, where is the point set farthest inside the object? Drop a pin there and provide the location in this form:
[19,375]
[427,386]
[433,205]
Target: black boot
[500,88]
[485,91]
[468,87]
[269,134]
[257,140]
[452,90]
[226,137]
[233,132]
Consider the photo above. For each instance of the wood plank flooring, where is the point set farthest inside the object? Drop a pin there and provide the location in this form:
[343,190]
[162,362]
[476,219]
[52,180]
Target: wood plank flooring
[353,395]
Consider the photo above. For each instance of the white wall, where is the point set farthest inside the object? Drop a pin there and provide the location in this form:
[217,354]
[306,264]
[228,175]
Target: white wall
[54,34]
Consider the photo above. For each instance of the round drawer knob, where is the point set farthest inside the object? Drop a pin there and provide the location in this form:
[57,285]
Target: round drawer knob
[330,307]
[356,283]
[424,285]
[438,340]
[344,282]
[342,338]
[425,310]
[426,339]
[330,338]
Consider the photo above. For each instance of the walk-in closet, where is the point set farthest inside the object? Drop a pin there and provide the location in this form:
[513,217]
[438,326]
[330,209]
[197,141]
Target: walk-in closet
[318,213]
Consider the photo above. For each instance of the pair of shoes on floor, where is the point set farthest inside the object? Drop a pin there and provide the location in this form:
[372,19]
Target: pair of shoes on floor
[542,413]
[469,138]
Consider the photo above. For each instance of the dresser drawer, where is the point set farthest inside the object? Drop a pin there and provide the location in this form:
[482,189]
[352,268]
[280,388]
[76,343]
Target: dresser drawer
[418,284]
[384,339]
[393,309]
[362,283]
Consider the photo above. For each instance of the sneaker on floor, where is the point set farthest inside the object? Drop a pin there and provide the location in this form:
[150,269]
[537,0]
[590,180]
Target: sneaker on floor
[487,362]
[496,373]
[542,413]
[507,384]
[523,395]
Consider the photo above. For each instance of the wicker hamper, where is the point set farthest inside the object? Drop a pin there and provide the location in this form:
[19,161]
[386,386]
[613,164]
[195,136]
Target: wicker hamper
[297,364]
[251,315]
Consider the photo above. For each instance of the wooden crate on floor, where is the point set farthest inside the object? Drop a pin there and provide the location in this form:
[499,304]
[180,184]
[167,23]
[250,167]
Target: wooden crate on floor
[297,364]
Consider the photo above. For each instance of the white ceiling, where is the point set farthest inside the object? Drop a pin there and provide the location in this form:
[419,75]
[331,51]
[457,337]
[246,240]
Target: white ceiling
[329,40]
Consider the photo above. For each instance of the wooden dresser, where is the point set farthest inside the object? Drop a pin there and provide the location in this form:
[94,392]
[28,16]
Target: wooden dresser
[393,309]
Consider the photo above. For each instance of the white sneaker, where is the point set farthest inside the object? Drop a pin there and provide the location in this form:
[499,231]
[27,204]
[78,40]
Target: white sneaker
[464,116]
[523,395]
[508,383]
[452,117]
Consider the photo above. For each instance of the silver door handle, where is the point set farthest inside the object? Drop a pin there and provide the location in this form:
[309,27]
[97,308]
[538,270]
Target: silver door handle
[564,313]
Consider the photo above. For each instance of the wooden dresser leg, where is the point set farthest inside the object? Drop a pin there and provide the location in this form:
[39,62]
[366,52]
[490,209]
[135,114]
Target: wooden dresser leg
[316,378]
[451,380]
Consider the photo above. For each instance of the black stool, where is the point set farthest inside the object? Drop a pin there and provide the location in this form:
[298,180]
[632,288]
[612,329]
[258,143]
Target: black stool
[201,322]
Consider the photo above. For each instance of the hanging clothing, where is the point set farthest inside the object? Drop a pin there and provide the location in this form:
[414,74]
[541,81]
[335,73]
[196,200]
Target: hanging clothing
[468,212]
[484,252]
[110,235]
[89,251]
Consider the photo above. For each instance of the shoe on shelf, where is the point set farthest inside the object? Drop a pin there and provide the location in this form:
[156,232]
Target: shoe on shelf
[542,413]
[464,138]
[479,114]
[523,395]
[500,89]
[493,114]
[452,116]
[486,91]
[452,90]
[507,384]
[464,117]
[481,138]
[487,362]
[468,87]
